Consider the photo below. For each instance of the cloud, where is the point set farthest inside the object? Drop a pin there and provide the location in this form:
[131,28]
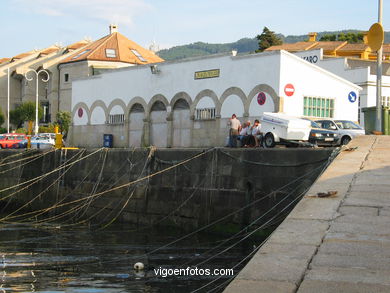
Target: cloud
[113,11]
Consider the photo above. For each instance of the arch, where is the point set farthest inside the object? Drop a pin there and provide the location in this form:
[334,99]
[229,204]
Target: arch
[99,103]
[137,108]
[136,124]
[85,108]
[181,96]
[181,104]
[257,110]
[232,104]
[157,114]
[136,100]
[97,116]
[233,91]
[206,93]
[117,102]
[154,99]
[181,122]
[263,88]
[158,106]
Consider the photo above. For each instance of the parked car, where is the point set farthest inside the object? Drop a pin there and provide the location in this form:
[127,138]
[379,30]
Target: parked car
[11,140]
[43,140]
[341,127]
[323,137]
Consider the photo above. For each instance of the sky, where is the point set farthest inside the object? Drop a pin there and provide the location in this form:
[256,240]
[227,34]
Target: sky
[37,24]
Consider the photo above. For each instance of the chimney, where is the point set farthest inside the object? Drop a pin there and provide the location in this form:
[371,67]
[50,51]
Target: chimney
[113,28]
[312,37]
[365,38]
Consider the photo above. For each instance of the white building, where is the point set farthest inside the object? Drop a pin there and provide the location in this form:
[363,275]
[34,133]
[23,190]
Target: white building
[360,72]
[188,103]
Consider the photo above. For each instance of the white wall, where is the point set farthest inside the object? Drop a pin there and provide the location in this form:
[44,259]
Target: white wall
[313,81]
[242,72]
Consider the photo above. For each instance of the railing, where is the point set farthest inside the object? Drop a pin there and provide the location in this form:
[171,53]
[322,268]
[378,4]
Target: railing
[205,114]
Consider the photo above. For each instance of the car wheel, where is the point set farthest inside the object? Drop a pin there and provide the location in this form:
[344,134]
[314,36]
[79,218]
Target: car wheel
[345,140]
[269,140]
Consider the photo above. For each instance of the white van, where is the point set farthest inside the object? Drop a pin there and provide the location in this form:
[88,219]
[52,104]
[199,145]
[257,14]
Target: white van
[279,128]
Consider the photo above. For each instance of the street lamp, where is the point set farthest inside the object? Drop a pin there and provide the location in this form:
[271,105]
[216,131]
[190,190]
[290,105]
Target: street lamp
[37,73]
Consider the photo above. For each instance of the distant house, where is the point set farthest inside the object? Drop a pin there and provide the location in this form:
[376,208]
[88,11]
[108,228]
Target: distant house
[64,65]
[334,48]
[110,52]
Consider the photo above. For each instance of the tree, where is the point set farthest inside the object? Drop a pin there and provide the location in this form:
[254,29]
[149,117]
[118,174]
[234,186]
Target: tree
[25,112]
[328,37]
[352,38]
[64,119]
[267,39]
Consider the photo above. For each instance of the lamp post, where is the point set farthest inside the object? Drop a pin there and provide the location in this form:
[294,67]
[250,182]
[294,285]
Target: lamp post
[37,73]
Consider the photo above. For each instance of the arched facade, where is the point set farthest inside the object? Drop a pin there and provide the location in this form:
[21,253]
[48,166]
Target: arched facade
[176,122]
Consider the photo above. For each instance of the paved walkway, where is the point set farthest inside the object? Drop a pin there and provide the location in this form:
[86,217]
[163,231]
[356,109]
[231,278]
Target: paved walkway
[333,244]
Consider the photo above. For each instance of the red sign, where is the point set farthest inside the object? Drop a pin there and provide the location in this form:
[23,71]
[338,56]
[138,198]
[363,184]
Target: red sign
[289,90]
[80,112]
[261,98]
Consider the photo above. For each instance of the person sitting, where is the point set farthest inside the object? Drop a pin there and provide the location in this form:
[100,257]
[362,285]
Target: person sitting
[245,131]
[256,133]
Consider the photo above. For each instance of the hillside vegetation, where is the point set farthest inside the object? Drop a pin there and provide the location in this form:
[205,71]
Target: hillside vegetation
[244,45]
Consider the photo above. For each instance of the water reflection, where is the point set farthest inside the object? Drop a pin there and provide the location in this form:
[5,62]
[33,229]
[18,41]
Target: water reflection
[47,259]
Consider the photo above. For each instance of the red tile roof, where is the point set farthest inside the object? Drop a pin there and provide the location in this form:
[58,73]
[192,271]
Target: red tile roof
[299,46]
[49,51]
[115,47]
[77,45]
[3,60]
[22,55]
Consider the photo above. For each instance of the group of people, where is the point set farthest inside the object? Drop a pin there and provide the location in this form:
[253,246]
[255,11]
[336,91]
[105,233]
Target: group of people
[249,135]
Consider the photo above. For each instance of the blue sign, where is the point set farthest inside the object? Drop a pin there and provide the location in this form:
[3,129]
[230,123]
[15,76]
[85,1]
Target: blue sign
[352,97]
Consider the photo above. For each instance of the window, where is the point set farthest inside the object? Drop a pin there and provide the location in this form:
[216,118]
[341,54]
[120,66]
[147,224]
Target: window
[136,53]
[205,114]
[116,119]
[110,53]
[66,77]
[385,101]
[46,118]
[318,107]
[82,53]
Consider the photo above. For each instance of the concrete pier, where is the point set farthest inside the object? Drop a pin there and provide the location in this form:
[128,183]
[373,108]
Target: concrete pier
[332,244]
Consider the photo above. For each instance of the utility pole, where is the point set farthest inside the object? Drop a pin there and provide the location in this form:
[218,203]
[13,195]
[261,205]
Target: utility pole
[378,121]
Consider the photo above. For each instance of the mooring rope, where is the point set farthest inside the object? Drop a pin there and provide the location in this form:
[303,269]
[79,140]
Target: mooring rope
[48,173]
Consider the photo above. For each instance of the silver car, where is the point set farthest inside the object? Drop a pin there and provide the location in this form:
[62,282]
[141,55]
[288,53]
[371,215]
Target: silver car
[345,128]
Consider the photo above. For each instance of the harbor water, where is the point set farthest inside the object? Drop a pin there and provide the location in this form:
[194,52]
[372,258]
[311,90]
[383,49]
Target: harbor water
[50,258]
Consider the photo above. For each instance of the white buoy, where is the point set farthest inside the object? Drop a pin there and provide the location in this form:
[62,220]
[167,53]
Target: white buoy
[139,266]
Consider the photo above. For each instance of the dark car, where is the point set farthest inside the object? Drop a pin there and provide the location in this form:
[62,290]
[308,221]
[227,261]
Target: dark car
[323,137]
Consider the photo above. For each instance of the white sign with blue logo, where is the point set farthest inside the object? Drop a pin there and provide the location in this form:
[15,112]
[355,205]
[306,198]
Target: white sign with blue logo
[352,97]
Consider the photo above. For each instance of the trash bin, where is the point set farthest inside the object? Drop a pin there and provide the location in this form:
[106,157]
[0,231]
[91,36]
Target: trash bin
[108,140]
[370,119]
[386,121]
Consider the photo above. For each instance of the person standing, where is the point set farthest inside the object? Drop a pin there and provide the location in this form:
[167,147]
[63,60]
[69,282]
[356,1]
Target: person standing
[234,125]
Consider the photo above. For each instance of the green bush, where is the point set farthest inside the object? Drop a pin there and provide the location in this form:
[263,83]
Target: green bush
[21,130]
[47,129]
[3,130]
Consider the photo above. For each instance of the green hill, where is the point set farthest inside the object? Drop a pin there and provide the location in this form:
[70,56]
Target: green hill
[244,45]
